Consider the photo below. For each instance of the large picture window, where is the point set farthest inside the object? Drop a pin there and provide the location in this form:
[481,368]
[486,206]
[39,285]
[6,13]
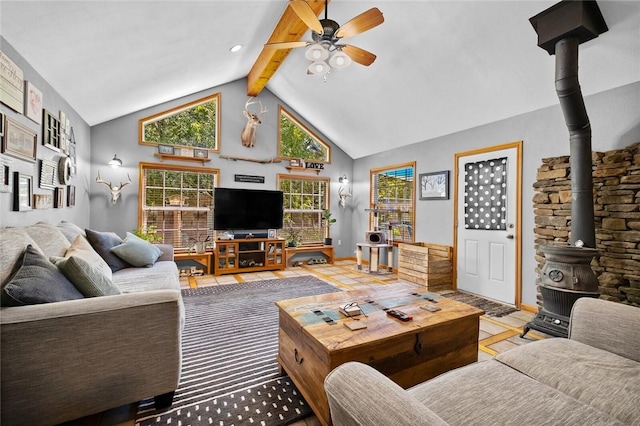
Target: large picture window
[392,200]
[176,203]
[194,124]
[295,140]
[305,198]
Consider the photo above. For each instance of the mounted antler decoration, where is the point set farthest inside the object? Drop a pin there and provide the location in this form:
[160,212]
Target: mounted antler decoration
[115,190]
[248,135]
[343,195]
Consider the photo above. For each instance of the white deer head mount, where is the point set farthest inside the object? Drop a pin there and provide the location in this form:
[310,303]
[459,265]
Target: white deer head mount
[343,195]
[115,190]
[248,135]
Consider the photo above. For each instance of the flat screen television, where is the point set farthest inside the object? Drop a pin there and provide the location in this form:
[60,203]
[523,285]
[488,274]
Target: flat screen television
[247,209]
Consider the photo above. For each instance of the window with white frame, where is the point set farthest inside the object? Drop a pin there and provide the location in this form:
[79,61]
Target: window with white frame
[392,195]
[305,198]
[176,203]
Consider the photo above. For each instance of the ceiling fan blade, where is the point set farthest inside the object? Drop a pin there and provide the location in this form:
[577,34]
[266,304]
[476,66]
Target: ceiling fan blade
[306,15]
[358,55]
[361,23]
[286,45]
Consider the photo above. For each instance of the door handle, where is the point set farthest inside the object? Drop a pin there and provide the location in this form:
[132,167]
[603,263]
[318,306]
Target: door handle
[510,236]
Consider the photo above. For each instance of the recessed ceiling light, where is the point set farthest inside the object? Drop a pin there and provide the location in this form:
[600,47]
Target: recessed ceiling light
[235,48]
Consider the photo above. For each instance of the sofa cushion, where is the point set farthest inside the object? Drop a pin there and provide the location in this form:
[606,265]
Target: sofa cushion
[89,280]
[161,276]
[136,251]
[37,281]
[50,240]
[102,242]
[70,230]
[600,379]
[82,249]
[13,241]
[492,393]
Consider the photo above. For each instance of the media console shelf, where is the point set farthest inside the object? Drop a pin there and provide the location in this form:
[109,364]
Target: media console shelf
[249,255]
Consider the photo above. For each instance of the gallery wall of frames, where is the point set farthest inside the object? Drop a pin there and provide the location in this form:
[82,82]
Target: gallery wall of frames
[38,161]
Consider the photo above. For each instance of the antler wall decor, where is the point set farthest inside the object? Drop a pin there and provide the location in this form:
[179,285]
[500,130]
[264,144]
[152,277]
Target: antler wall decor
[343,194]
[115,190]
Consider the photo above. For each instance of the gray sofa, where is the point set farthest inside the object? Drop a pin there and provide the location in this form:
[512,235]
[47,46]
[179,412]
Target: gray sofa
[592,378]
[67,359]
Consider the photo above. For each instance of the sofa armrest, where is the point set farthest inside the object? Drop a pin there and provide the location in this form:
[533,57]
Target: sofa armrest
[360,395]
[84,356]
[167,252]
[610,326]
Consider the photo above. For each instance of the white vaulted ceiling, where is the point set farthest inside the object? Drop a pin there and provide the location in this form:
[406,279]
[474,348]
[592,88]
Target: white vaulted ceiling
[442,66]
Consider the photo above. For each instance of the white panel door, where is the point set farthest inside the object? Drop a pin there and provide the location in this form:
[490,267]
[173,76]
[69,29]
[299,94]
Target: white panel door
[486,224]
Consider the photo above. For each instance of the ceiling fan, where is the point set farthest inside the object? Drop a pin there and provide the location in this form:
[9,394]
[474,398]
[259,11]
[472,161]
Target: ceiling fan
[327,34]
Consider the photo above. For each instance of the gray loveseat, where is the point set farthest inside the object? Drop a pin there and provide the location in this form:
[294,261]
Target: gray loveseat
[67,359]
[592,378]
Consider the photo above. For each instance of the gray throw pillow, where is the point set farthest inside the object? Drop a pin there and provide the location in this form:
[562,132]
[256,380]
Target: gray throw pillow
[37,281]
[102,242]
[89,280]
[136,251]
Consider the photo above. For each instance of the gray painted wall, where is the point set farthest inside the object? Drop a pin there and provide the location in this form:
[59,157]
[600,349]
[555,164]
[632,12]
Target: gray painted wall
[54,103]
[120,136]
[615,121]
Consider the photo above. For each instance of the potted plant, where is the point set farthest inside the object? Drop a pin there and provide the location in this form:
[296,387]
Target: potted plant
[292,234]
[328,221]
[149,233]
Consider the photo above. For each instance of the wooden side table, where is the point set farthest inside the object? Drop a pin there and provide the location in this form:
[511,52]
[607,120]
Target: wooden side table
[202,258]
[374,257]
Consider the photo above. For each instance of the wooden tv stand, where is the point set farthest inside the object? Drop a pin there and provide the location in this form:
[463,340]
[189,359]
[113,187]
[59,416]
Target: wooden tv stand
[249,255]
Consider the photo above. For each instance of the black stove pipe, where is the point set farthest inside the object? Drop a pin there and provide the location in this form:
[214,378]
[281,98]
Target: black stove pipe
[575,115]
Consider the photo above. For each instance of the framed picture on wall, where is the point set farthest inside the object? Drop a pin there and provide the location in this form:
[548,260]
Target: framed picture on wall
[58,198]
[22,192]
[19,141]
[165,149]
[71,195]
[434,186]
[32,102]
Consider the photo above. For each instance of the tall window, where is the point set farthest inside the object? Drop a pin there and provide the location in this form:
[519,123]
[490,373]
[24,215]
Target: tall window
[176,203]
[295,140]
[392,200]
[304,200]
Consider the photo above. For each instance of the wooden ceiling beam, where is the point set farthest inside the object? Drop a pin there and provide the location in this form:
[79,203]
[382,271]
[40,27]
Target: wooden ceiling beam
[288,28]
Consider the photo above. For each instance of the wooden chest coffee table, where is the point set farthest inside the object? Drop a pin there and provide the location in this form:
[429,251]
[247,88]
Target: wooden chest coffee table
[313,338]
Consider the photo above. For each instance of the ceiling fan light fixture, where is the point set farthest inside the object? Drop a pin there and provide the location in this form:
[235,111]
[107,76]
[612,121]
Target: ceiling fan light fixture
[318,68]
[340,60]
[316,52]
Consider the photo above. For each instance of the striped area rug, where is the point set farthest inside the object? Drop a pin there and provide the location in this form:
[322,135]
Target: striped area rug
[229,371]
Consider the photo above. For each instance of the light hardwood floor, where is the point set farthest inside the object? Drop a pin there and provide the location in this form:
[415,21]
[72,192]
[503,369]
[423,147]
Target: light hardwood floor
[496,334]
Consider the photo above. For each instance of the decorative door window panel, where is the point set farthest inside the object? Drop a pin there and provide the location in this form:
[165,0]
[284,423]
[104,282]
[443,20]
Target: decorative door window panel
[485,195]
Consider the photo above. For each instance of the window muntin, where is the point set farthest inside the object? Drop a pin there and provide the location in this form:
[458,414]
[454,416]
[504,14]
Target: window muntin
[304,200]
[392,195]
[177,203]
[195,124]
[295,140]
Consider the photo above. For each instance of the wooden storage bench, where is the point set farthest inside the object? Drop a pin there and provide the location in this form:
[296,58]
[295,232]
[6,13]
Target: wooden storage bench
[426,264]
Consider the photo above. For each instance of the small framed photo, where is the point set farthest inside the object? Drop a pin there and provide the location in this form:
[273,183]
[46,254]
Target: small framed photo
[58,198]
[296,162]
[165,149]
[272,233]
[22,192]
[42,201]
[201,153]
[71,196]
[434,186]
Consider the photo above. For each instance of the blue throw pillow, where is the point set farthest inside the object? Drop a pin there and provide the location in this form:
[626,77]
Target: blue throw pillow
[37,281]
[102,242]
[136,251]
